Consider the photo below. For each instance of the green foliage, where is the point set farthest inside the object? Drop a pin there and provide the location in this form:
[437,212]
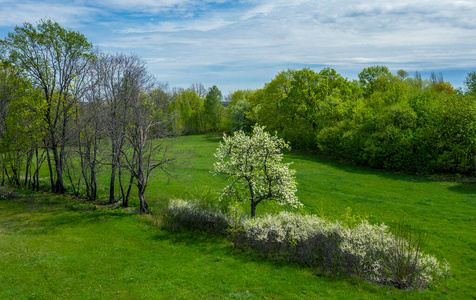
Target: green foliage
[350,219]
[213,108]
[55,60]
[21,130]
[369,76]
[386,121]
[236,216]
[52,46]
[239,116]
[187,110]
[299,103]
[272,113]
[402,74]
[470,83]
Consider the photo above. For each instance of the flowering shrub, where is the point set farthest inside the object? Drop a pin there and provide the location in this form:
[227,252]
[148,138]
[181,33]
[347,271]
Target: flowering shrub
[193,215]
[367,251]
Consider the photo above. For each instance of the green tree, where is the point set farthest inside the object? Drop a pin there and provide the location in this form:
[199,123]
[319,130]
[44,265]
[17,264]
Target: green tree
[213,108]
[310,103]
[21,130]
[271,101]
[187,110]
[55,60]
[402,74]
[254,168]
[368,77]
[239,116]
[470,83]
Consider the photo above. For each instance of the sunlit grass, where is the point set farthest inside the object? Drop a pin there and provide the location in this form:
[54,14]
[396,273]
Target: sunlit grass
[51,247]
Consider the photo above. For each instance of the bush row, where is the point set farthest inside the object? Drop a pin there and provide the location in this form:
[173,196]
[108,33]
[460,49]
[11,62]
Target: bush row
[366,251]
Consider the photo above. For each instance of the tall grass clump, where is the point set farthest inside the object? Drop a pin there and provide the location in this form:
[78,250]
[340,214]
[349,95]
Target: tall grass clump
[371,252]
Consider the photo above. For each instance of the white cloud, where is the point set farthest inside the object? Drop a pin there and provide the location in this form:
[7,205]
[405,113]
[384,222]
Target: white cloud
[258,36]
[17,12]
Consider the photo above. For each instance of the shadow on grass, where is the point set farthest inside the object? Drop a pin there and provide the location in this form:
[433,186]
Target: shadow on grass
[214,137]
[469,189]
[42,214]
[349,167]
[212,243]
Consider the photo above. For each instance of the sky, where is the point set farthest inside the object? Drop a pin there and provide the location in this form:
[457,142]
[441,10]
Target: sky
[244,44]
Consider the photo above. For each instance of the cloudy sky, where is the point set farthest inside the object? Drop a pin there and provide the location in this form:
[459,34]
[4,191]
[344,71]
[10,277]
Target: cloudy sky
[244,43]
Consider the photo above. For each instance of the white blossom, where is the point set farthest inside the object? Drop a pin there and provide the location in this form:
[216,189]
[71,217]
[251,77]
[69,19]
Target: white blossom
[254,168]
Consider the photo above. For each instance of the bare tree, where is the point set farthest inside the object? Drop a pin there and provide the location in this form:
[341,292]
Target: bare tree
[90,115]
[147,147]
[199,89]
[115,72]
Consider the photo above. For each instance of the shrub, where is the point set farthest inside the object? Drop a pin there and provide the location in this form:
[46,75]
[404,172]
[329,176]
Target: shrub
[195,215]
[367,251]
[6,193]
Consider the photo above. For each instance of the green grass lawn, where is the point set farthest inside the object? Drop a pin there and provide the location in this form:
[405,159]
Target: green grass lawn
[55,247]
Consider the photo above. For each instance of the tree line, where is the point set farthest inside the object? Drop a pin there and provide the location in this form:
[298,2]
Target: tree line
[75,111]
[396,122]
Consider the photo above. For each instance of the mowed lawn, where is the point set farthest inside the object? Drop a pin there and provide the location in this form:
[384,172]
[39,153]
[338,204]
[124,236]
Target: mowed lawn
[55,247]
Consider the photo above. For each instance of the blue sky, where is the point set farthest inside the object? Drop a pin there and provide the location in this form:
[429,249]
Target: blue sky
[244,43]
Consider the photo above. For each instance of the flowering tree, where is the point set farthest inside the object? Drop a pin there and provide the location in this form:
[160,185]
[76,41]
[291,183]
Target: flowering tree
[254,168]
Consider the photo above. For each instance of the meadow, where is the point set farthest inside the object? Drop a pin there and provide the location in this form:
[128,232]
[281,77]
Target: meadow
[60,247]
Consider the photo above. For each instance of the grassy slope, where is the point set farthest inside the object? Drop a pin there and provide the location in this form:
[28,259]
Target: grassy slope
[51,247]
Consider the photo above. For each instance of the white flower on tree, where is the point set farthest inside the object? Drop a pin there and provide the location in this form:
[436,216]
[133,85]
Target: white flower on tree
[254,168]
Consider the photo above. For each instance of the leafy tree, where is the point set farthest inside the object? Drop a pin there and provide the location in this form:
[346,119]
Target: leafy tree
[55,60]
[368,77]
[238,95]
[254,168]
[187,111]
[470,83]
[402,74]
[271,101]
[213,108]
[311,102]
[21,130]
[239,116]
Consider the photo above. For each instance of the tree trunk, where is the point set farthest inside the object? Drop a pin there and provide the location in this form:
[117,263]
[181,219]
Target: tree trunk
[59,185]
[253,208]
[93,184]
[3,175]
[28,167]
[51,171]
[125,201]
[112,199]
[144,207]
